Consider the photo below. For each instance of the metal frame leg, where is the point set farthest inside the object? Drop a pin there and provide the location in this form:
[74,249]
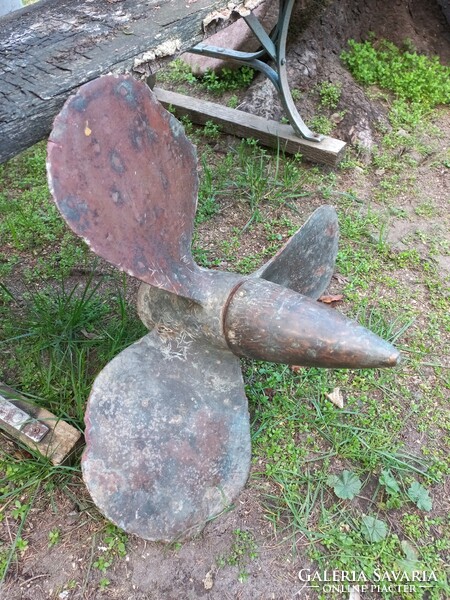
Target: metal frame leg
[273,46]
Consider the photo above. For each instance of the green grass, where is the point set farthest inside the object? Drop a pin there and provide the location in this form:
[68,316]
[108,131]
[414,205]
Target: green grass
[55,340]
[300,438]
[30,222]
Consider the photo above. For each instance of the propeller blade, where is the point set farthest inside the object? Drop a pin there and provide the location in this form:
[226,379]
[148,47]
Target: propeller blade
[167,424]
[306,262]
[167,436]
[124,176]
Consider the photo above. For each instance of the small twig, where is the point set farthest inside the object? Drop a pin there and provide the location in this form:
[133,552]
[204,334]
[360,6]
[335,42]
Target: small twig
[18,534]
[2,508]
[33,578]
[9,530]
[88,571]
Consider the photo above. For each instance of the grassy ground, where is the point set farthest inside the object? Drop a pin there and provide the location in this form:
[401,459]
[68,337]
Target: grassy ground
[360,488]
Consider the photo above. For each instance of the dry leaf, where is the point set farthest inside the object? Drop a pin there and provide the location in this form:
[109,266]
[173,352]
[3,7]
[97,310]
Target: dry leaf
[331,298]
[296,368]
[336,398]
[208,581]
[337,118]
[88,335]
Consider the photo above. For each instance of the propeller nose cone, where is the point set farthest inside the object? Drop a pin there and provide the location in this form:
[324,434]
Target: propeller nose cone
[394,359]
[266,321]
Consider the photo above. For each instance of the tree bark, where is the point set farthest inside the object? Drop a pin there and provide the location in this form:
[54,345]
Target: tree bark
[51,48]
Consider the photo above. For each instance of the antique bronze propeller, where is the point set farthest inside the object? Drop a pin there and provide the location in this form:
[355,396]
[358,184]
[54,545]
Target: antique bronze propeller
[167,426]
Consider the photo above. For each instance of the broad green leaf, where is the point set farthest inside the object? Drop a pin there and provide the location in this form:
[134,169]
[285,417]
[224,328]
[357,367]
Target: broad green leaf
[420,496]
[373,529]
[388,481]
[332,480]
[411,562]
[409,550]
[347,485]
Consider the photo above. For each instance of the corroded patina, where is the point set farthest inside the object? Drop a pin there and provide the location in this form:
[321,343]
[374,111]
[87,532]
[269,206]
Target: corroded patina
[167,427]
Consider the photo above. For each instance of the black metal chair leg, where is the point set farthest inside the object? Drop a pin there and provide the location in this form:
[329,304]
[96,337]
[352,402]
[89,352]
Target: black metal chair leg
[272,46]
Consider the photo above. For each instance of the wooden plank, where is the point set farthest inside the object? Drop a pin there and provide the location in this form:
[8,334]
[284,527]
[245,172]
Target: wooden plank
[49,49]
[60,442]
[270,133]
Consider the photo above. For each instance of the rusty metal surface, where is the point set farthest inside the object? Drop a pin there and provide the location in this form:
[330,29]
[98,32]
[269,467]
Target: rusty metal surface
[124,177]
[15,417]
[167,432]
[203,321]
[167,427]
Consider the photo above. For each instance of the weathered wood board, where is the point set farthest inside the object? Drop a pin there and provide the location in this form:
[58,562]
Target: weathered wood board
[61,440]
[50,48]
[270,133]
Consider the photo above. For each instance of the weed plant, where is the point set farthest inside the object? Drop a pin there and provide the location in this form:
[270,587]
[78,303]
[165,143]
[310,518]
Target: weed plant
[226,80]
[411,76]
[243,550]
[418,82]
[330,94]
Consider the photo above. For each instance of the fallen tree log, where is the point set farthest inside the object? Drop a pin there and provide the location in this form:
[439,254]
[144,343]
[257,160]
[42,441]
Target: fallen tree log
[51,48]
